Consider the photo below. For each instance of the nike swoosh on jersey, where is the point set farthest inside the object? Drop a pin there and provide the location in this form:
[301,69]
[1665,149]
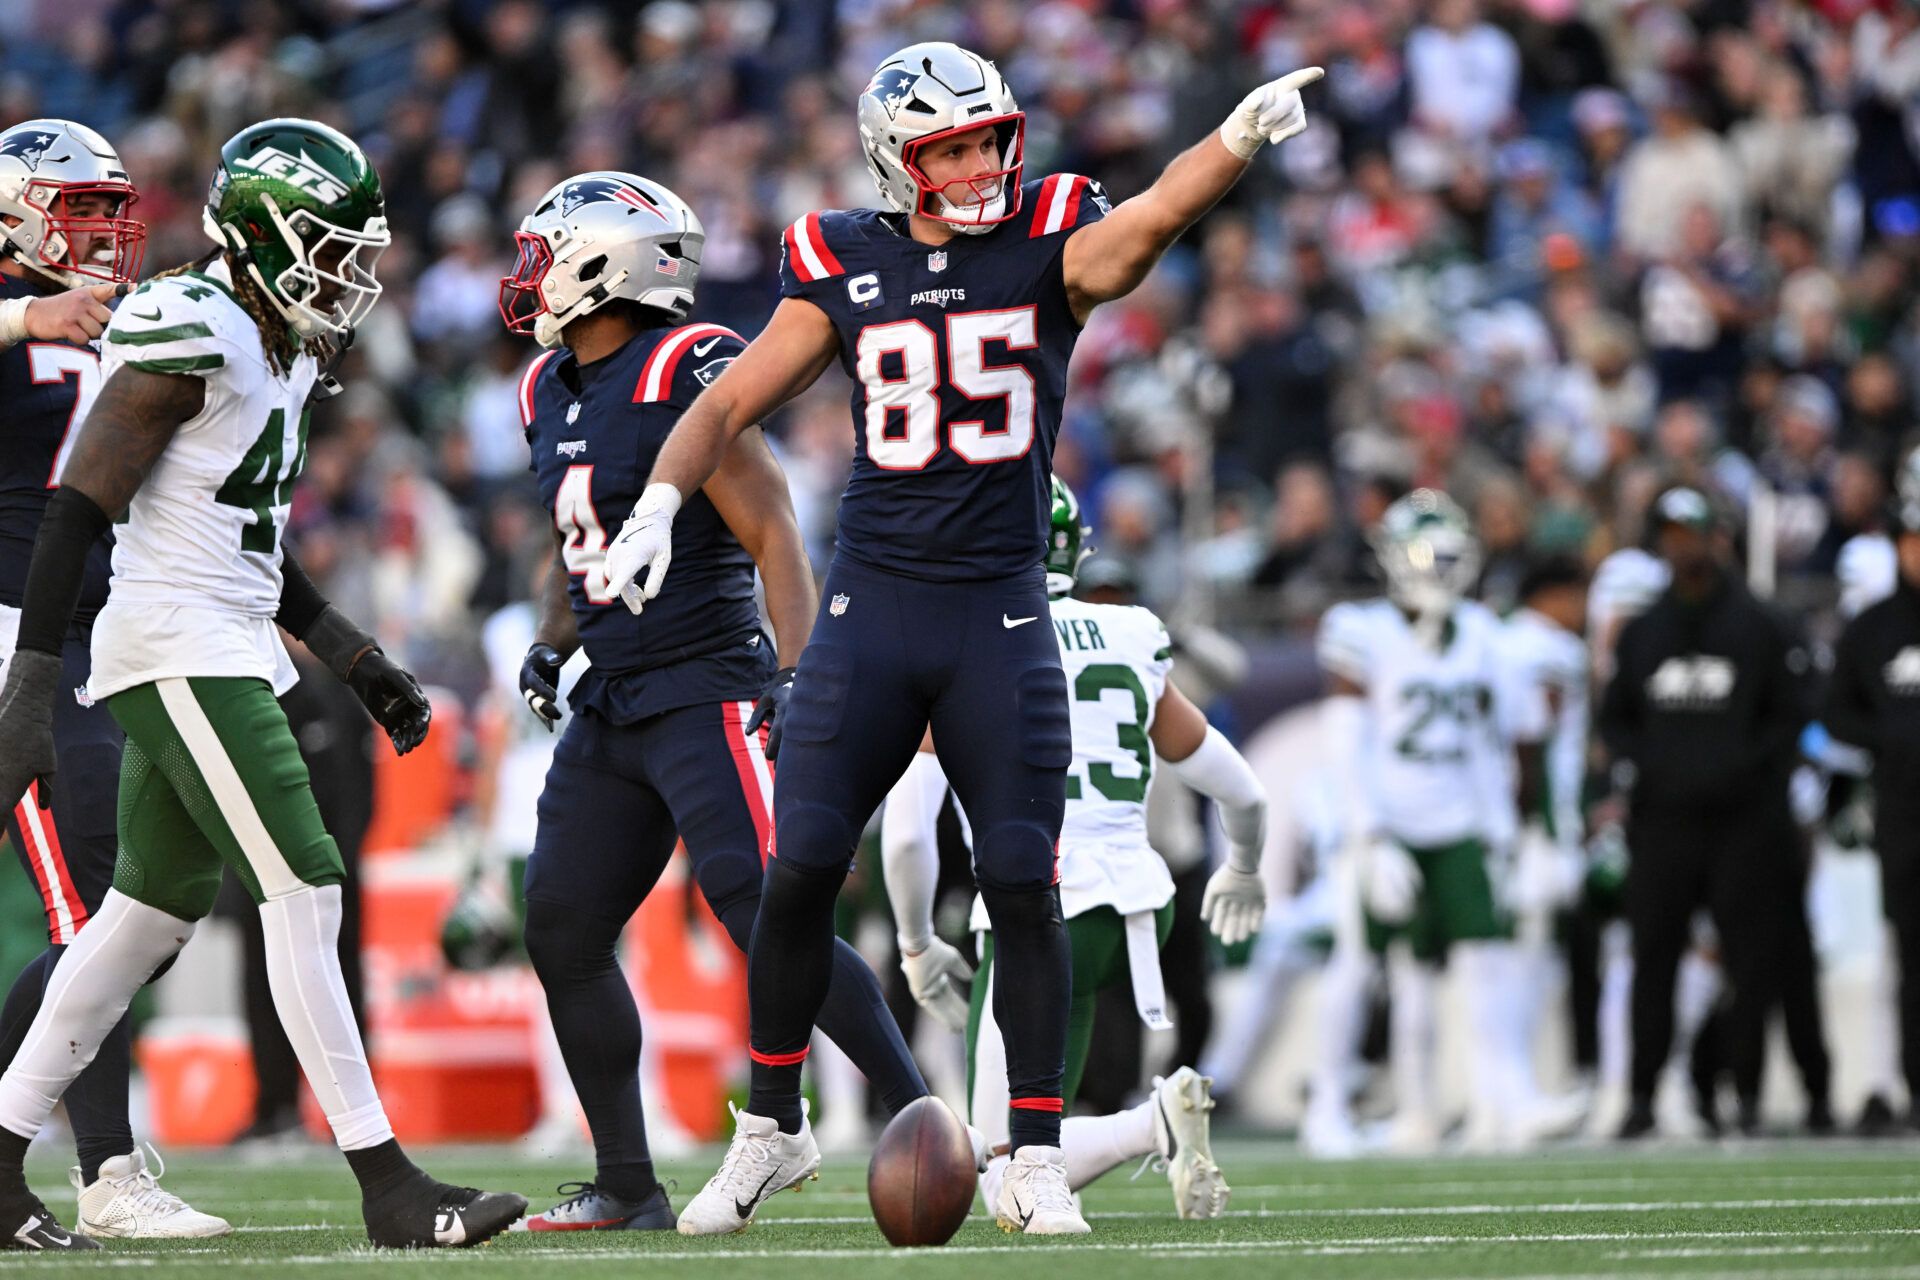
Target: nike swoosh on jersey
[701,348]
[1011,623]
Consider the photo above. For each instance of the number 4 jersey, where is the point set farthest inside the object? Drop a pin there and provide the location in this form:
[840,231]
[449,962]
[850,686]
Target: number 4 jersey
[594,431]
[958,354]
[196,565]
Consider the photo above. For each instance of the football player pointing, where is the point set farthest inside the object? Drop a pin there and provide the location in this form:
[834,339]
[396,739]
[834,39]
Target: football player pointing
[198,435]
[955,314]
[666,733]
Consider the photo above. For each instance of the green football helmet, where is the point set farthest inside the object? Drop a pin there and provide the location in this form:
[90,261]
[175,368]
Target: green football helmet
[1427,548]
[299,206]
[1066,541]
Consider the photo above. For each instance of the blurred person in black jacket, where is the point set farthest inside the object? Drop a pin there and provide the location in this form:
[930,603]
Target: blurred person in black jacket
[1874,702]
[1706,707]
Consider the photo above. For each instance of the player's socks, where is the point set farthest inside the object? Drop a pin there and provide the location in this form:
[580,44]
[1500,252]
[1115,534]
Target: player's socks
[598,1027]
[302,933]
[789,970]
[13,1159]
[1094,1144]
[1030,940]
[854,1016]
[381,1168]
[121,947]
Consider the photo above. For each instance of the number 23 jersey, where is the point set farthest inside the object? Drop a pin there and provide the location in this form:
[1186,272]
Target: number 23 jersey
[958,354]
[196,565]
[1441,725]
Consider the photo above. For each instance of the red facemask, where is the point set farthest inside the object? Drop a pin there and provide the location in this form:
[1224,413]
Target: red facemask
[984,187]
[520,300]
[127,236]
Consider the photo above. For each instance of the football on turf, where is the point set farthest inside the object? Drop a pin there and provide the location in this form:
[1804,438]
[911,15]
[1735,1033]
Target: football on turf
[922,1177]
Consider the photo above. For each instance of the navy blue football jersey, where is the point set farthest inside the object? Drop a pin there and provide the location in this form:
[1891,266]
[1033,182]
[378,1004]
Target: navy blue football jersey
[594,431]
[958,356]
[46,389]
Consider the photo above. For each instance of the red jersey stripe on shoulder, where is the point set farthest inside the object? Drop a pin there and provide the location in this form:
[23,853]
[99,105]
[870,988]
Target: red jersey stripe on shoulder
[1042,208]
[807,250]
[656,377]
[527,380]
[1058,205]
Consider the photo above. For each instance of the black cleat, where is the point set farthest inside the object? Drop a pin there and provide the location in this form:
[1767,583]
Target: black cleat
[30,1228]
[588,1208]
[1748,1120]
[1876,1119]
[1820,1121]
[424,1214]
[1639,1122]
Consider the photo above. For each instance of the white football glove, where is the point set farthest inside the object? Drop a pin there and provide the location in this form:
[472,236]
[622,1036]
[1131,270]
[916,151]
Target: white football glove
[1544,875]
[1271,113]
[1234,904]
[939,978]
[1390,881]
[645,542]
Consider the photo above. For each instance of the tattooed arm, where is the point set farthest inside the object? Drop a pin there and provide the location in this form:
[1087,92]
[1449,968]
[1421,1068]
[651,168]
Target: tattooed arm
[131,422]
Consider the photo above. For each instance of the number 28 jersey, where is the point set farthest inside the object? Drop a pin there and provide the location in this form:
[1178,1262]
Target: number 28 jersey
[958,355]
[1437,760]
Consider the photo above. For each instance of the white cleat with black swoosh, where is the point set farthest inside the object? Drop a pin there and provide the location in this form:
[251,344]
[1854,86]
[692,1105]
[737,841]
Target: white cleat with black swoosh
[1034,1197]
[1181,1106]
[761,1162]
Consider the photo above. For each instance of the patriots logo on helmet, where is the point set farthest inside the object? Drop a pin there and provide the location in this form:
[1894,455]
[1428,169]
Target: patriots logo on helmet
[893,86]
[29,147]
[591,190]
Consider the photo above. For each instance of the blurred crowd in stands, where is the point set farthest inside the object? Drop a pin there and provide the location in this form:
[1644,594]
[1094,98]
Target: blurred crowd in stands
[1546,254]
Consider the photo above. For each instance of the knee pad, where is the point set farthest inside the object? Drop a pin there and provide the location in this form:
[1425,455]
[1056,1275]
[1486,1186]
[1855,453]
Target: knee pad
[815,838]
[566,944]
[737,917]
[1016,856]
[1033,906]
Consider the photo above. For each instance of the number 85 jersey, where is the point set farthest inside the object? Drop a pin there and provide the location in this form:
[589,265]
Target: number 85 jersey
[958,355]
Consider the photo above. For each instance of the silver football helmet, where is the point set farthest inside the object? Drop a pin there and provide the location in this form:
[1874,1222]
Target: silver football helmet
[45,165]
[1427,548]
[922,93]
[595,237]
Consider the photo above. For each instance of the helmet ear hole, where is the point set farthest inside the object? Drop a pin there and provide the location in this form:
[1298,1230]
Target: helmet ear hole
[592,267]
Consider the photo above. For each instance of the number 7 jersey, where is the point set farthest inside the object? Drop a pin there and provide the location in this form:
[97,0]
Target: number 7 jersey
[196,565]
[958,354]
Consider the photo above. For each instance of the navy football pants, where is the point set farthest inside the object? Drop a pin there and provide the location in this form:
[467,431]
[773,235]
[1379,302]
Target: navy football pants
[890,656]
[68,852]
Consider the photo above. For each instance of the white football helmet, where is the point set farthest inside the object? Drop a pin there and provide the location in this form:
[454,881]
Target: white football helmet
[595,237]
[925,92]
[44,166]
[1426,545]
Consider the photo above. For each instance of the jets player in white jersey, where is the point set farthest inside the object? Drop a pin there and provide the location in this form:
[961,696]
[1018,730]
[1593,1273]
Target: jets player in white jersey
[1424,718]
[1115,891]
[198,435]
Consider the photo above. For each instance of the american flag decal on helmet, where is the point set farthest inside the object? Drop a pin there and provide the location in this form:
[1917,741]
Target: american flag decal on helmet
[666,266]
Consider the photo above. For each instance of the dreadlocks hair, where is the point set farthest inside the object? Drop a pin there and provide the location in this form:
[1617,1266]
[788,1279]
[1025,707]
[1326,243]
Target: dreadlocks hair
[277,337]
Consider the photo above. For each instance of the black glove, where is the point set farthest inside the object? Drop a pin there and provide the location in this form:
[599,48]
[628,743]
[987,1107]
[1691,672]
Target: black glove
[26,726]
[540,682]
[770,708]
[390,695]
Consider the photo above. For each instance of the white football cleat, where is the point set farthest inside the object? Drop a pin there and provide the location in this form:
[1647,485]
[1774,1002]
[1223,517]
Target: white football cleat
[1181,1103]
[1035,1198]
[127,1202]
[982,1154]
[760,1162]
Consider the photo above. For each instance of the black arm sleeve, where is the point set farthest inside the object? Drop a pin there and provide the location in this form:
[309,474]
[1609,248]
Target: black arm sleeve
[73,523]
[301,603]
[1849,704]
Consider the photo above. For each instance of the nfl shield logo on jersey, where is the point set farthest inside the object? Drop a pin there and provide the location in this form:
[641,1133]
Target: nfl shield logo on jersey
[839,605]
[573,413]
[937,261]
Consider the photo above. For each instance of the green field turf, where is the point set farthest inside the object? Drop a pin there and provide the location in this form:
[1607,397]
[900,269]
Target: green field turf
[1803,1210]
